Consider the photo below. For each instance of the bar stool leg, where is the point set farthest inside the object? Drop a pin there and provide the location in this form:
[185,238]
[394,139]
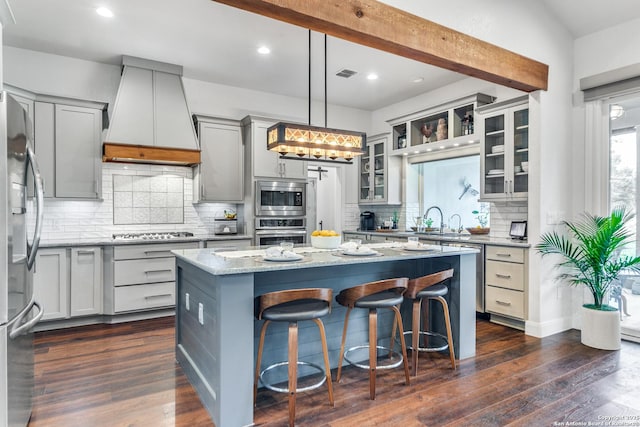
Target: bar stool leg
[373,351]
[425,322]
[344,338]
[415,335]
[405,362]
[325,351]
[447,321]
[293,370]
[394,327]
[259,360]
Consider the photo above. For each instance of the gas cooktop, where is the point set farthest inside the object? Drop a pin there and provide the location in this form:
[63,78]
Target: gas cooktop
[153,236]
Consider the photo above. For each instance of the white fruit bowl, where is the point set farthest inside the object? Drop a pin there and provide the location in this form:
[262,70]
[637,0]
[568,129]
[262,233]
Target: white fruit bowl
[326,242]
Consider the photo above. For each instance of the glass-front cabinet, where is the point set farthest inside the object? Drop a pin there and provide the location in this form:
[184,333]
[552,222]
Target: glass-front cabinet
[379,176]
[504,151]
[449,126]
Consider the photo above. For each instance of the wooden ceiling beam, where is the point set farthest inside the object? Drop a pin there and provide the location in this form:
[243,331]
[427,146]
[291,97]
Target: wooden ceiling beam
[383,27]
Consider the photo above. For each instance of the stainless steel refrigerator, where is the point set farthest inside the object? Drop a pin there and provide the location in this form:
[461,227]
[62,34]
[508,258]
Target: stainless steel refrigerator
[19,311]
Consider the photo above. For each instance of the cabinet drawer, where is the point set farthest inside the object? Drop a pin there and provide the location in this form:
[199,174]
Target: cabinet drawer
[136,271]
[140,297]
[229,245]
[505,275]
[505,253]
[505,301]
[150,251]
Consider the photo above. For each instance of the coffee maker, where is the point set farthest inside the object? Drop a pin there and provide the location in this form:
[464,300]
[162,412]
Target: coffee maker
[367,221]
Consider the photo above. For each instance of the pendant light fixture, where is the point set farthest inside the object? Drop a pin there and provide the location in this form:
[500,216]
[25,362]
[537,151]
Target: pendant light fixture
[320,144]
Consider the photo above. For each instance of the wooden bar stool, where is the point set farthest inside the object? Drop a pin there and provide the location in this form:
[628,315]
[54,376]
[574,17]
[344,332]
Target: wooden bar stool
[372,296]
[294,306]
[428,288]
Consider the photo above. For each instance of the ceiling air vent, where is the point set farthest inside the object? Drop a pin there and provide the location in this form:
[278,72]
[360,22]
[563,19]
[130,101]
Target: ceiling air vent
[346,73]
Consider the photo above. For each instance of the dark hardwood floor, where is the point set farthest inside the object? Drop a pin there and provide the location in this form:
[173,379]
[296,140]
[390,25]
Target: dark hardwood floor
[126,375]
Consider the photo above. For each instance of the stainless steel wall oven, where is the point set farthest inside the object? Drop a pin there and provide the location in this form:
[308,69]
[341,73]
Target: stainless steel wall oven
[271,231]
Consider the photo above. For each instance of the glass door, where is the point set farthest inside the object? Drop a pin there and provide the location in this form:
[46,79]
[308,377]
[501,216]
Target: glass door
[493,156]
[365,177]
[520,158]
[624,139]
[379,171]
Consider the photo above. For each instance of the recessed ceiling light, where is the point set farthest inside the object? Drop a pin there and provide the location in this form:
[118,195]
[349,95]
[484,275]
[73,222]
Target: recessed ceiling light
[416,152]
[418,80]
[263,50]
[442,147]
[372,76]
[428,149]
[105,12]
[456,144]
[405,154]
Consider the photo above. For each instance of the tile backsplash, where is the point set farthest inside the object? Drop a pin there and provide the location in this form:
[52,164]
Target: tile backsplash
[142,199]
[75,221]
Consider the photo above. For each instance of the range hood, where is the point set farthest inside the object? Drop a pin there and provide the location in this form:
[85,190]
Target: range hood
[151,122]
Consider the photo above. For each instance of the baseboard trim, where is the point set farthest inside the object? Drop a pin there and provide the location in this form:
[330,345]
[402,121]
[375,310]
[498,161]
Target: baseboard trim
[545,329]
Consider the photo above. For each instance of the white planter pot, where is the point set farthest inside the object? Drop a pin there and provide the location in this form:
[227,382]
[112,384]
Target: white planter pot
[601,329]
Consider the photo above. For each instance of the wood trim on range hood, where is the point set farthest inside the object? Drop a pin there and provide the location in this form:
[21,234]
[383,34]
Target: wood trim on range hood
[125,153]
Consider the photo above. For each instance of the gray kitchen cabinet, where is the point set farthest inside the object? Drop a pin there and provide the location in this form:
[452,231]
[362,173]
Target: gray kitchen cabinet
[68,282]
[50,283]
[220,175]
[380,175]
[506,279]
[267,163]
[504,151]
[68,144]
[141,277]
[86,281]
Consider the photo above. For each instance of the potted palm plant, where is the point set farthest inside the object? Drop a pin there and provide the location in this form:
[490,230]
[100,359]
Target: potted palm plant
[592,258]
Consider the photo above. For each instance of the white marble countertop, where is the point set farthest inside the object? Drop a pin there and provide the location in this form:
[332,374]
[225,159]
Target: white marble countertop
[448,237]
[226,263]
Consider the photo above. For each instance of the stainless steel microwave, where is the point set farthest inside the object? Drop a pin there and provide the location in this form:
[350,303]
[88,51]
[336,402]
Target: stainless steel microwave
[281,198]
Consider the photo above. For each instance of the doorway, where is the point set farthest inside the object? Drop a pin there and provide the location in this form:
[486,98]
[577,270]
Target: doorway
[324,195]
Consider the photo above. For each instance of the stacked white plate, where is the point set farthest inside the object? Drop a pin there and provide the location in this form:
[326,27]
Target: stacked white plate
[497,149]
[495,172]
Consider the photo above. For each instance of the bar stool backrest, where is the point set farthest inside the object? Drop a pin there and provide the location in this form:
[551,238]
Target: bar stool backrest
[420,283]
[280,297]
[348,297]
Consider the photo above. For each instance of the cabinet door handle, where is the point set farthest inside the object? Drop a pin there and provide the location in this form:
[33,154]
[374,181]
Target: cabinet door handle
[202,192]
[86,252]
[503,255]
[168,252]
[503,303]
[503,276]
[157,296]
[168,270]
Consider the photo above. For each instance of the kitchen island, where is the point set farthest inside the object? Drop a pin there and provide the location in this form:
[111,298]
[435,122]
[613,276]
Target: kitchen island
[216,333]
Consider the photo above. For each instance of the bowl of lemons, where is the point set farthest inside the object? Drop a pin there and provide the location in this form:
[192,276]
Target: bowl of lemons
[325,239]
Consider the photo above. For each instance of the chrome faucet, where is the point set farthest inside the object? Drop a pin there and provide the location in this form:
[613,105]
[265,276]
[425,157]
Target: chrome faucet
[426,215]
[459,229]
